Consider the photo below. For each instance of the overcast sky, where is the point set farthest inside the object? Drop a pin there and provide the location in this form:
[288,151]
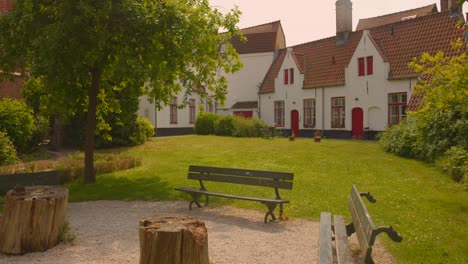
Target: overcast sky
[308,20]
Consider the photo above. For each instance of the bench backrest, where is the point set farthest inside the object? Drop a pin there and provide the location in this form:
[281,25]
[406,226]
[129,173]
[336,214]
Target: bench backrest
[363,225]
[362,222]
[278,180]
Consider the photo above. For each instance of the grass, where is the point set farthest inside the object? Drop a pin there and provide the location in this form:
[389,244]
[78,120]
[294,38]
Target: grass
[426,207]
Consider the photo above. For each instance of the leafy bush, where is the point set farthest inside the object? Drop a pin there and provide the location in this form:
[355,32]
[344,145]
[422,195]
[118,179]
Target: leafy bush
[225,126]
[17,121]
[205,123]
[244,127]
[7,150]
[399,139]
[455,163]
[146,125]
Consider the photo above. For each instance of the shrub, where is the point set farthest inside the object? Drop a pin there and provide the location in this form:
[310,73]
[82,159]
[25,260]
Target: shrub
[205,123]
[146,125]
[400,139]
[7,150]
[17,121]
[225,126]
[244,127]
[455,163]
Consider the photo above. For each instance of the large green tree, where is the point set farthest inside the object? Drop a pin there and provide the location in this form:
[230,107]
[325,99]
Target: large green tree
[83,50]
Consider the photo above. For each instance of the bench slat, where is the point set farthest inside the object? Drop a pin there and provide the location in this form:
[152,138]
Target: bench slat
[287,176]
[241,180]
[247,198]
[325,242]
[343,252]
[362,221]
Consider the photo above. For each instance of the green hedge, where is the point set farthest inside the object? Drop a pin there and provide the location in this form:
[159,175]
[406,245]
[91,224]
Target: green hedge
[7,150]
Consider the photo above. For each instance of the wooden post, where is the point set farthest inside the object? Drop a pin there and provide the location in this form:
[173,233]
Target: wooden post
[33,219]
[173,239]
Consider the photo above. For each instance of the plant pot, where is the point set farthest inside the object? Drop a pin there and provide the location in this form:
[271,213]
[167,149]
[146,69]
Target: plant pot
[291,138]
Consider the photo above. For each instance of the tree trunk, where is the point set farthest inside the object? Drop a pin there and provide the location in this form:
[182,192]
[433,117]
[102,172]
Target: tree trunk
[33,219]
[93,91]
[173,239]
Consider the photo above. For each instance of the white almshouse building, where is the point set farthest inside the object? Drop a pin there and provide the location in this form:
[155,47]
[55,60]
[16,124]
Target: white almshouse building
[351,85]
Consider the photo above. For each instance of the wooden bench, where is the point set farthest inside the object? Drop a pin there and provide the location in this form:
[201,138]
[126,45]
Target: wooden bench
[362,225]
[271,179]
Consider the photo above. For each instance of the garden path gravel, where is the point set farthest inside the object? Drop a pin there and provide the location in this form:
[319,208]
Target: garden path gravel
[107,233]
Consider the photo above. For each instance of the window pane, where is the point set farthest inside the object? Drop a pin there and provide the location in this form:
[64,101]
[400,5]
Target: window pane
[370,65]
[291,75]
[361,68]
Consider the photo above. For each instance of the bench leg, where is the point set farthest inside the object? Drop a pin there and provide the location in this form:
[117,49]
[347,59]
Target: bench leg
[195,199]
[271,209]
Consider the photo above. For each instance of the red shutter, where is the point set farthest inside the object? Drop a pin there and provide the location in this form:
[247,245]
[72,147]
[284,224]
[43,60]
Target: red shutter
[286,77]
[370,65]
[361,67]
[291,73]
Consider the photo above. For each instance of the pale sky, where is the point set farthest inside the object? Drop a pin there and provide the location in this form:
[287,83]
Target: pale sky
[308,20]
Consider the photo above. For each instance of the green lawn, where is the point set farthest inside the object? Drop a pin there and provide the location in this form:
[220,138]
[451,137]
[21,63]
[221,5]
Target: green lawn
[426,207]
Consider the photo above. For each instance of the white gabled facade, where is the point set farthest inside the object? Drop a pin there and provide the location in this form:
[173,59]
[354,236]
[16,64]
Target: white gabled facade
[371,92]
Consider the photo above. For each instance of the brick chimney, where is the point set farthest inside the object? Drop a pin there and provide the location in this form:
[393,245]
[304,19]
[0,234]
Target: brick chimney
[344,20]
[451,5]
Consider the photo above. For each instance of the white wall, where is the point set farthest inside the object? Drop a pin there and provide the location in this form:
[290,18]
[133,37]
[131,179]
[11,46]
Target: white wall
[161,118]
[244,84]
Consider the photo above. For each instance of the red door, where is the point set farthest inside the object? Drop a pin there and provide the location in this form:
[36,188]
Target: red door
[358,124]
[295,122]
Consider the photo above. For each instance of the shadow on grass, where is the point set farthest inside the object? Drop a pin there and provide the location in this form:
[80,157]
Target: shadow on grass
[111,187]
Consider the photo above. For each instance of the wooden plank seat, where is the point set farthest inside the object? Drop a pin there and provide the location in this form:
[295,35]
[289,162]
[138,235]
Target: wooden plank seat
[339,232]
[268,179]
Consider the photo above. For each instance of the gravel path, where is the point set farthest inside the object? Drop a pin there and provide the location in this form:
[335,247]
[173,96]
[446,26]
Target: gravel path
[106,233]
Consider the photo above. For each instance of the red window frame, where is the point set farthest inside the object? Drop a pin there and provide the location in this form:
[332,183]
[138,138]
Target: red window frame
[291,76]
[279,113]
[309,113]
[192,111]
[370,65]
[286,74]
[173,111]
[397,103]
[338,117]
[361,67]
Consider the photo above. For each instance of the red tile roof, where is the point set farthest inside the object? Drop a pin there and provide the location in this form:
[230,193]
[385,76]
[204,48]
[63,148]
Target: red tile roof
[268,84]
[261,38]
[372,22]
[403,41]
[398,43]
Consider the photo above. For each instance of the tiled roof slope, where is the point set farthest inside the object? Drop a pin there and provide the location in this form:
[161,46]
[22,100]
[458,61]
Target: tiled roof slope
[398,43]
[261,38]
[268,84]
[245,105]
[403,41]
[372,22]
[323,62]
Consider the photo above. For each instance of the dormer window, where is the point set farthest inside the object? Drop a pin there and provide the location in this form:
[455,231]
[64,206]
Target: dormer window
[288,76]
[365,66]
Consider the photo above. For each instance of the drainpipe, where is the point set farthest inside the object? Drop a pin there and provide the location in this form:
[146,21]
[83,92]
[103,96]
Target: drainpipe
[323,111]
[259,111]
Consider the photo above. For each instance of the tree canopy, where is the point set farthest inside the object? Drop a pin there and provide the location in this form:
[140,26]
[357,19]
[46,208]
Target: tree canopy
[82,51]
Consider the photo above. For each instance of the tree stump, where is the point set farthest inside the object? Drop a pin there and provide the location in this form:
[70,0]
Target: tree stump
[173,239]
[33,219]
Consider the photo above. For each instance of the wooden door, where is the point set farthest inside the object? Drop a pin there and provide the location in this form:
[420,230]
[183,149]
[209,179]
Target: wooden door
[295,122]
[358,123]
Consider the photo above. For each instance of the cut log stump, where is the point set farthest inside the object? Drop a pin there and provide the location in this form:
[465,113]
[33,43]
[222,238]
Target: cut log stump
[173,239]
[33,219]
